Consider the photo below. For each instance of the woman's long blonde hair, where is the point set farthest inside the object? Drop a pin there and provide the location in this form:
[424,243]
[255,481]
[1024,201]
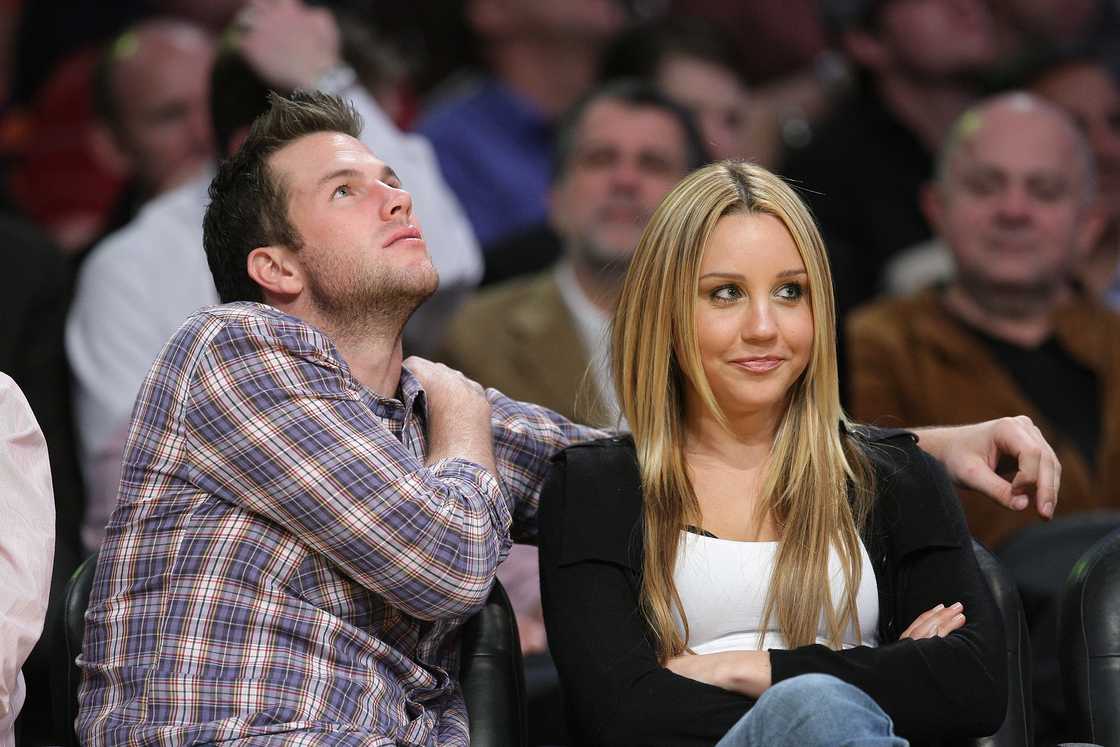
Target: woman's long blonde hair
[655,356]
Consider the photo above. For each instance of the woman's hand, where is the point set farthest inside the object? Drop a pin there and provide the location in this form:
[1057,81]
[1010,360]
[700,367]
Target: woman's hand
[746,672]
[937,622]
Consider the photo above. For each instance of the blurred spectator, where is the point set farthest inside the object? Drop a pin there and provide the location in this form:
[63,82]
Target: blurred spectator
[794,77]
[151,102]
[1012,334]
[55,178]
[493,134]
[697,65]
[32,316]
[1088,91]
[1030,31]
[776,39]
[143,281]
[26,546]
[543,338]
[618,153]
[919,63]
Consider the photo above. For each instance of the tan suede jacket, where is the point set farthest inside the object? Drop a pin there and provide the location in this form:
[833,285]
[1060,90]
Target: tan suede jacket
[911,363]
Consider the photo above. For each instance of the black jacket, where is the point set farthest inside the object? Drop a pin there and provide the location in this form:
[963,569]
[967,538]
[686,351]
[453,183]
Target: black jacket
[591,556]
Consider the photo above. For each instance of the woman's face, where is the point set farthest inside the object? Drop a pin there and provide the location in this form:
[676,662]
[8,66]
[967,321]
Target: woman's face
[754,324]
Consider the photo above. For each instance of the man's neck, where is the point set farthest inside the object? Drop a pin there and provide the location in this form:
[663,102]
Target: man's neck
[926,109]
[599,286]
[551,75]
[370,347]
[1026,320]
[375,362]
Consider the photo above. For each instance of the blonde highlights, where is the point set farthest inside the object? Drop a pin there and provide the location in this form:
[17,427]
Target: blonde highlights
[655,356]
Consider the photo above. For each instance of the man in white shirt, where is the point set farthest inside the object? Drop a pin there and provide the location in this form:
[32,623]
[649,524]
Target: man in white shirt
[26,545]
[141,282]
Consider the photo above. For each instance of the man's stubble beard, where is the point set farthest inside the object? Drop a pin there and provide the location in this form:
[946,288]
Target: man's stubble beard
[378,305]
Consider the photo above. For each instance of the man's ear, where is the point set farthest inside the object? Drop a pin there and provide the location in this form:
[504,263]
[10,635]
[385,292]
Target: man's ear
[931,200]
[865,49]
[276,270]
[1091,229]
[107,151]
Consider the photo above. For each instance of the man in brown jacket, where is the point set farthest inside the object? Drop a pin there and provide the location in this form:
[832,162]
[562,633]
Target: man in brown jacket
[542,338]
[1012,334]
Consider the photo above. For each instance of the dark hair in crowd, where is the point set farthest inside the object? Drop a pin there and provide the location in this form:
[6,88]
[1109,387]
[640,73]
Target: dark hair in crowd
[640,51]
[248,203]
[635,93]
[102,96]
[238,95]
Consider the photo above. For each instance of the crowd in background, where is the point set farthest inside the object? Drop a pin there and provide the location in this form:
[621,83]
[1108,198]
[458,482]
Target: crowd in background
[974,240]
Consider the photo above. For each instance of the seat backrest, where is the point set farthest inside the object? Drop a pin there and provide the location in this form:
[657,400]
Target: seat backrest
[1018,726]
[1089,643]
[1040,557]
[491,675]
[490,665]
[71,622]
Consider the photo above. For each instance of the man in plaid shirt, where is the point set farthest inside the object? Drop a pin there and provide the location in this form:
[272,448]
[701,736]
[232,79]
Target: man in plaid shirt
[303,522]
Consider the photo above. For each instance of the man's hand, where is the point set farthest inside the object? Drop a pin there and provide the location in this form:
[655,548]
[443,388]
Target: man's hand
[972,452]
[289,44]
[458,414]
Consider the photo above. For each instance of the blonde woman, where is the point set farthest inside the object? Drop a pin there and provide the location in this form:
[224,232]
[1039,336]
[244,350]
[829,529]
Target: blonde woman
[750,567]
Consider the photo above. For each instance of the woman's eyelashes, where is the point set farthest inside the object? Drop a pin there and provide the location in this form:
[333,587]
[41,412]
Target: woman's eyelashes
[729,293]
[791,291]
[725,293]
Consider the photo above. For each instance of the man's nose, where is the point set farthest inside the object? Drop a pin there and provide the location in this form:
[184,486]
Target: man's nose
[397,203]
[626,175]
[1015,204]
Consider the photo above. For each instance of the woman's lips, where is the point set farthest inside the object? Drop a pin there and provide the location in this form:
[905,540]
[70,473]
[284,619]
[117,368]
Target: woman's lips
[758,365]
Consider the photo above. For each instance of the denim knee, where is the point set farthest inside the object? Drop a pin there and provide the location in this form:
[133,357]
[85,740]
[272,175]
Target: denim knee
[813,710]
[811,691]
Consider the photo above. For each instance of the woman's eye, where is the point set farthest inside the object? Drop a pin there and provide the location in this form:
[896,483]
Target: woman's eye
[726,293]
[791,291]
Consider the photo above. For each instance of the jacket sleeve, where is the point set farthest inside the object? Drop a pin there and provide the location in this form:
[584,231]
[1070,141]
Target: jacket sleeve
[874,371]
[944,687]
[616,692]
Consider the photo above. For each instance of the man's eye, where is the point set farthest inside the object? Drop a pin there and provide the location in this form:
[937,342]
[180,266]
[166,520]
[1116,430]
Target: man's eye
[343,190]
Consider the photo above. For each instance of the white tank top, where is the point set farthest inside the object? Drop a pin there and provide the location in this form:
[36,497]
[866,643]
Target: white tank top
[723,585]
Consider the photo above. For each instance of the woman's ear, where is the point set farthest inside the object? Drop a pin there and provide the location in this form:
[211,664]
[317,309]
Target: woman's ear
[276,270]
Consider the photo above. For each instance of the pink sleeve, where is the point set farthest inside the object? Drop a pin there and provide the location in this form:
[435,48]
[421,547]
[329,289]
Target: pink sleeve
[26,544]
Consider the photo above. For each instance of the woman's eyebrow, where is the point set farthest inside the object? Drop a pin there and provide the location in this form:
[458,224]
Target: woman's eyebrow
[737,276]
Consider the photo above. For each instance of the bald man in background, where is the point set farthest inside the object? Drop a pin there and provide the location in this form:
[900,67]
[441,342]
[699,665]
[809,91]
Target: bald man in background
[151,93]
[1012,332]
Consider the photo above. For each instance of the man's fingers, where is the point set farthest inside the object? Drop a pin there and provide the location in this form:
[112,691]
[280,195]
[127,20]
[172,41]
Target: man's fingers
[1039,472]
[979,477]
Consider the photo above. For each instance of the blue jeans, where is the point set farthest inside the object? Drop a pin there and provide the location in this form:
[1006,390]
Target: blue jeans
[813,710]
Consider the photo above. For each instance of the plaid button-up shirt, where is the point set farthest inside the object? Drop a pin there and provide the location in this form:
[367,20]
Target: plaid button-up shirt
[282,566]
